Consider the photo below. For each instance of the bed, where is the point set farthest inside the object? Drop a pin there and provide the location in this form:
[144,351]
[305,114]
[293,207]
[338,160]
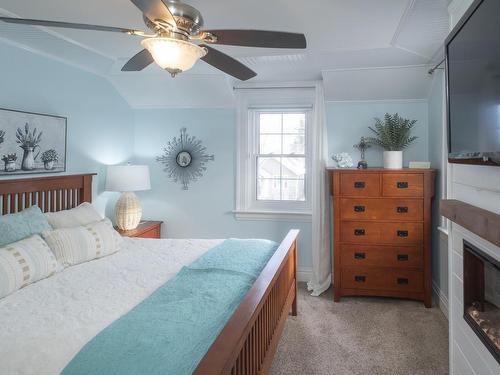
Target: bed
[246,344]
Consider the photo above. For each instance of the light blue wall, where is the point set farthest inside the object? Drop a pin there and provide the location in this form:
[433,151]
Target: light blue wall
[439,244]
[203,211]
[100,122]
[349,121]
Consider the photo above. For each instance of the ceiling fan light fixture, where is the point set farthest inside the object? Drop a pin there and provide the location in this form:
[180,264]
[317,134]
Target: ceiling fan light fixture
[174,55]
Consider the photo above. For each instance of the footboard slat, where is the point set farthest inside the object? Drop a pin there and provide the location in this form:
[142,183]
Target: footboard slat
[247,343]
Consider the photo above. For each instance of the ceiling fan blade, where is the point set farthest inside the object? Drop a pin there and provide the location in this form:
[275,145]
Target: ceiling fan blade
[140,61]
[227,64]
[260,38]
[69,25]
[155,10]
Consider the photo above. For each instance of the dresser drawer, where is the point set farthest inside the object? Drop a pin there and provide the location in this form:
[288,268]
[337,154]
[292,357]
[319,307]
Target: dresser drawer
[381,233]
[381,256]
[381,209]
[360,184]
[371,278]
[402,185]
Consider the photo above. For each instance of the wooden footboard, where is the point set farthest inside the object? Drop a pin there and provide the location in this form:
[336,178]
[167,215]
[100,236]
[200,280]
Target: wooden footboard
[247,344]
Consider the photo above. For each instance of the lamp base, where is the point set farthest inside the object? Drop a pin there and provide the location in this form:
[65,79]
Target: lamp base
[128,211]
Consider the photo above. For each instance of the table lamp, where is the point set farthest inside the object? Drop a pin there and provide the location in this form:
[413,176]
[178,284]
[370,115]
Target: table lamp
[127,179]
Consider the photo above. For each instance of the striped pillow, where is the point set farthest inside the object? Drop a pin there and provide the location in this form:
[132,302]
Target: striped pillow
[80,244]
[25,262]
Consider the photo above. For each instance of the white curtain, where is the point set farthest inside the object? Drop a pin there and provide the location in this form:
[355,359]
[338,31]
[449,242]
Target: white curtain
[321,253]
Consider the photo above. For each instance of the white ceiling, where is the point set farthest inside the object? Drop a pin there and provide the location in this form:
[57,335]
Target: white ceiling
[344,37]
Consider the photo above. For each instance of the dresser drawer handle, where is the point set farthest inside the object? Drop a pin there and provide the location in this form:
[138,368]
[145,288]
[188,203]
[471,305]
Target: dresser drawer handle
[402,185]
[359,232]
[359,255]
[360,279]
[359,208]
[402,257]
[359,185]
[402,281]
[402,233]
[402,210]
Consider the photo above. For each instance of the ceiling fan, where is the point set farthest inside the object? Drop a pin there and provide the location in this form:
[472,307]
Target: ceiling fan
[175,27]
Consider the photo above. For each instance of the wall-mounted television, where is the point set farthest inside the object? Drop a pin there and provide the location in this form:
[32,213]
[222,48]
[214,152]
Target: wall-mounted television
[473,86]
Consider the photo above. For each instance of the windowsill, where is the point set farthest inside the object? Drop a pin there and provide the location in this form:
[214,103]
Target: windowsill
[304,216]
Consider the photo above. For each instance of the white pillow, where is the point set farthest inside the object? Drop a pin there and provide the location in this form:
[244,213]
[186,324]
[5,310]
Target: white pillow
[25,262]
[82,215]
[80,244]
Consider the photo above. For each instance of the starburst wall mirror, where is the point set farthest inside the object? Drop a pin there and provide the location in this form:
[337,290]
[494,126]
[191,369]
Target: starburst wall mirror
[185,159]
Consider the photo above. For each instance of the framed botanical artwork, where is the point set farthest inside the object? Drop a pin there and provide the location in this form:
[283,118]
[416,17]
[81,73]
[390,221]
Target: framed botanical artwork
[31,143]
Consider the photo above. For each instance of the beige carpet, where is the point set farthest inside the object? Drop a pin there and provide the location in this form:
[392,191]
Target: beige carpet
[366,336]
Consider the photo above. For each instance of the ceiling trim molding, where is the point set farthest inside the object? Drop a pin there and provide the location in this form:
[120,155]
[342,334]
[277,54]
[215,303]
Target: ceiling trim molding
[422,100]
[376,68]
[50,56]
[276,84]
[184,106]
[402,20]
[411,51]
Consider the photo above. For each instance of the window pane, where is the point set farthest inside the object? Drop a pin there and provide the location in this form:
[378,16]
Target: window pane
[270,144]
[270,123]
[293,190]
[293,167]
[268,189]
[294,123]
[294,144]
[268,167]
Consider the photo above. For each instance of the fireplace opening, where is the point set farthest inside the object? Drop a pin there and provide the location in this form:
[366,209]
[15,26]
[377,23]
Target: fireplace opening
[482,296]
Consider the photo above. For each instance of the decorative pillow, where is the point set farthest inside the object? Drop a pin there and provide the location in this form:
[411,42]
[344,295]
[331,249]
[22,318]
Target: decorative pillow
[82,215]
[24,262]
[80,244]
[15,227]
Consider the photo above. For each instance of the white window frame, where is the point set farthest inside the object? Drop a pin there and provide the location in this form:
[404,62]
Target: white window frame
[247,205]
[273,205]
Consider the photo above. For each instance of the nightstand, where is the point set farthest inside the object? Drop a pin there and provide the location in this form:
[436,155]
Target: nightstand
[146,229]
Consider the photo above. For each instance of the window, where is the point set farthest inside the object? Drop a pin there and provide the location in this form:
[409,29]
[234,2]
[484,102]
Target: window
[273,170]
[281,156]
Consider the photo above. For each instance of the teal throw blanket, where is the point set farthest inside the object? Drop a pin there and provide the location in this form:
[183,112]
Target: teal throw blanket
[170,331]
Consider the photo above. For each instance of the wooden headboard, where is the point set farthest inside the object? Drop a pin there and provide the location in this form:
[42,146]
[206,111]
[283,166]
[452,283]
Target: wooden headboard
[51,194]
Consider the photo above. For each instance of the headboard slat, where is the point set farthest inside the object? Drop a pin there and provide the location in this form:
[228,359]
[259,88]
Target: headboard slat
[13,203]
[51,194]
[5,208]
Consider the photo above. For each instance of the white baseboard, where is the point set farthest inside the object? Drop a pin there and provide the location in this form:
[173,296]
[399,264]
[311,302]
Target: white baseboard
[304,274]
[440,299]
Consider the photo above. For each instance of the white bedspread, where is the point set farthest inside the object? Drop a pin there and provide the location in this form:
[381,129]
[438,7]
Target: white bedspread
[43,326]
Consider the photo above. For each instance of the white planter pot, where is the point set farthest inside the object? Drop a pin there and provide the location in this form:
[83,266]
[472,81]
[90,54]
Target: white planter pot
[393,159]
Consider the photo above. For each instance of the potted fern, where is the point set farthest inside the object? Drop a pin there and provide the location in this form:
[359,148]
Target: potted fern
[393,134]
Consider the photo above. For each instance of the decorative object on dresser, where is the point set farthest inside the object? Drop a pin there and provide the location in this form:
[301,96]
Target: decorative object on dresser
[362,146]
[343,159]
[41,139]
[145,229]
[185,159]
[393,134]
[382,233]
[127,179]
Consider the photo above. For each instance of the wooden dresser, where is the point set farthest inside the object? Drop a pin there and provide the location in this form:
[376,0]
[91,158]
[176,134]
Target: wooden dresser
[382,232]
